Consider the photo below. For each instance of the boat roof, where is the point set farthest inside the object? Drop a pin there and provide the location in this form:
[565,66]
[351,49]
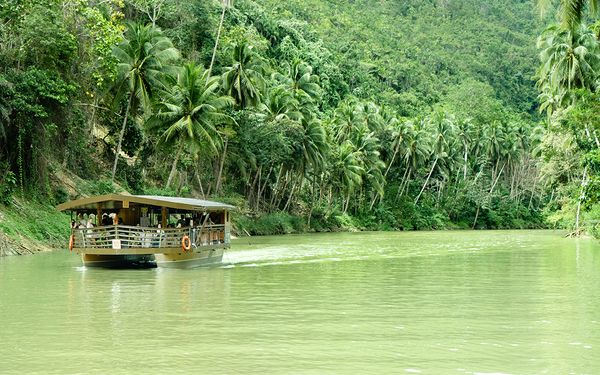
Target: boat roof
[115,201]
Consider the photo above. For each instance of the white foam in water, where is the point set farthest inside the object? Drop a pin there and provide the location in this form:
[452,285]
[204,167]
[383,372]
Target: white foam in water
[412,370]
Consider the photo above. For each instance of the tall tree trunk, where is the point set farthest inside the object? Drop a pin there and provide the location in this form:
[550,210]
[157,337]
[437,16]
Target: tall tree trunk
[312,201]
[402,184]
[276,186]
[214,54]
[476,216]
[93,118]
[218,185]
[174,166]
[200,184]
[465,166]
[251,193]
[496,180]
[347,203]
[393,159]
[262,189]
[321,186]
[114,170]
[426,180]
[581,197]
[532,192]
[295,185]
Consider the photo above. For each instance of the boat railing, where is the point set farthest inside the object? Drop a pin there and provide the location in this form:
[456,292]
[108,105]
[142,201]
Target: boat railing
[125,236]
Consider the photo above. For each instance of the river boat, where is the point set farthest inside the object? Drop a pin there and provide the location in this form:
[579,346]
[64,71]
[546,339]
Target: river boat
[121,230]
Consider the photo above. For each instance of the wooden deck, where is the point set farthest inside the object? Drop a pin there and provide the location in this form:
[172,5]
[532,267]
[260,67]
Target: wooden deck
[124,239]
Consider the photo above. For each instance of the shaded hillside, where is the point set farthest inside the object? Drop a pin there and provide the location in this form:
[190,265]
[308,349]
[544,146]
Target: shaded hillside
[421,48]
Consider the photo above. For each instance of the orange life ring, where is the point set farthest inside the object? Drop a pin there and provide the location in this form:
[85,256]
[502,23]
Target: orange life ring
[186,243]
[71,242]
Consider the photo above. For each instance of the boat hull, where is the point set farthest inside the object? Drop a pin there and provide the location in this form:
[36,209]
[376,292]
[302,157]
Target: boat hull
[192,259]
[118,261]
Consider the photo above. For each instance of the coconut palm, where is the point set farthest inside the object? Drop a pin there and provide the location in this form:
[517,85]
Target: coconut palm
[142,58]
[569,58]
[314,145]
[304,84]
[243,80]
[190,113]
[346,118]
[443,128]
[463,137]
[570,12]
[416,151]
[349,169]
[279,104]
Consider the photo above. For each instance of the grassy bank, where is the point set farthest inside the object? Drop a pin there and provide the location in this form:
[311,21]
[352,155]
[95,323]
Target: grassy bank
[29,226]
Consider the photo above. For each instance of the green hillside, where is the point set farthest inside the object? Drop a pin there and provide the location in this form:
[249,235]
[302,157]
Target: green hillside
[313,115]
[414,52]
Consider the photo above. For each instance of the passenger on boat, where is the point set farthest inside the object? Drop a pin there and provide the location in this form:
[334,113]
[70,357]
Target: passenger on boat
[90,221]
[82,221]
[105,219]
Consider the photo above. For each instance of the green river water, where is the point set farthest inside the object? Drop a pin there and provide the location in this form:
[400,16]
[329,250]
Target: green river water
[485,302]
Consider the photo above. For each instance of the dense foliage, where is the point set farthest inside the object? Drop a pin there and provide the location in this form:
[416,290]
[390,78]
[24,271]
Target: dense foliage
[365,114]
[568,78]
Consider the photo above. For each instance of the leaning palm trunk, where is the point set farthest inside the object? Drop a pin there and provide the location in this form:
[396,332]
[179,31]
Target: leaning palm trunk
[214,54]
[218,185]
[427,180]
[200,184]
[581,196]
[465,165]
[174,166]
[121,135]
[403,183]
[489,194]
[393,159]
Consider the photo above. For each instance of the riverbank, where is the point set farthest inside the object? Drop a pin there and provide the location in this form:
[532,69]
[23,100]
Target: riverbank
[27,226]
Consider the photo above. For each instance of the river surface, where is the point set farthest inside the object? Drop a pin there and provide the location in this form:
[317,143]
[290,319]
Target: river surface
[484,302]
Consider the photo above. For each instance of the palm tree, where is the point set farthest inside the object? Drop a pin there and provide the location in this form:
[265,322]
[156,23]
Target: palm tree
[304,84]
[494,139]
[279,104]
[314,145]
[346,118]
[443,129]
[349,169]
[142,57]
[190,111]
[464,137]
[550,100]
[569,58]
[570,12]
[416,151]
[244,80]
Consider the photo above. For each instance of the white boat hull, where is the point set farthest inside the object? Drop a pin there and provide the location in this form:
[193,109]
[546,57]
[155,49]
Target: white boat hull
[192,259]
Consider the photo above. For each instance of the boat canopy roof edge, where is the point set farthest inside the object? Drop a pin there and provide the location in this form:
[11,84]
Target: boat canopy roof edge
[191,204]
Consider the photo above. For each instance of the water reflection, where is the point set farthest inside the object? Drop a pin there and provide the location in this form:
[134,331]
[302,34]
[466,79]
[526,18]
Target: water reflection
[454,302]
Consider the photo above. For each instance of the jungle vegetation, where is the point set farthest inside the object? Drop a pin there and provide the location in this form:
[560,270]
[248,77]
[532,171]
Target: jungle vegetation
[306,114]
[568,81]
